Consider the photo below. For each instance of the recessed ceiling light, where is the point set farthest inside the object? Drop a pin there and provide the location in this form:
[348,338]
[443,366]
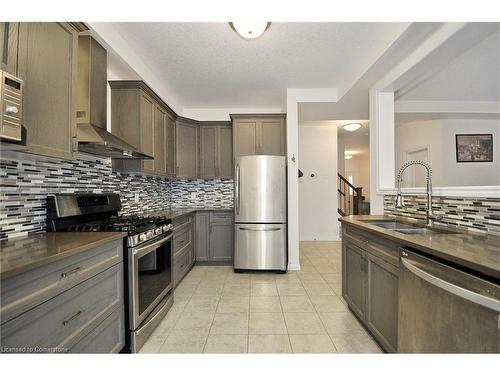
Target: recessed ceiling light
[347,157]
[250,30]
[352,127]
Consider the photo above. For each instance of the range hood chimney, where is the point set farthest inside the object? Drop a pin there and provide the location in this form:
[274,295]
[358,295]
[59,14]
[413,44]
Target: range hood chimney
[92,136]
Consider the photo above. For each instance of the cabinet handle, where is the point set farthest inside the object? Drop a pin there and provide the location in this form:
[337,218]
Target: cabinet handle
[66,322]
[69,273]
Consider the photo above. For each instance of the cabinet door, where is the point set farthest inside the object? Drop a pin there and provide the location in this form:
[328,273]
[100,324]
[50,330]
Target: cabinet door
[225,152]
[9,38]
[201,239]
[272,136]
[208,152]
[47,64]
[221,241]
[382,301]
[354,278]
[186,135]
[160,122]
[170,145]
[146,112]
[245,137]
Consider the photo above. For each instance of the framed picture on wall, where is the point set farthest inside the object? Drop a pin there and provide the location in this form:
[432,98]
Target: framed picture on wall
[474,148]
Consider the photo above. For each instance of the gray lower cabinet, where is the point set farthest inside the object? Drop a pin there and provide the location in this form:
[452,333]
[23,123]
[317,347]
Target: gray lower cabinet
[382,301]
[355,279]
[214,236]
[85,315]
[183,247]
[370,283]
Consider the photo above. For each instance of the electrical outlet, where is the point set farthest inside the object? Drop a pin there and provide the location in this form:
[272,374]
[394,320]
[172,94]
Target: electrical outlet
[193,195]
[136,197]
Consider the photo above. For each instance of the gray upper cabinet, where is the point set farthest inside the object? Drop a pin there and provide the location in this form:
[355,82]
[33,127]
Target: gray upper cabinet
[142,119]
[259,134]
[186,142]
[216,150]
[91,88]
[47,62]
[9,39]
[208,151]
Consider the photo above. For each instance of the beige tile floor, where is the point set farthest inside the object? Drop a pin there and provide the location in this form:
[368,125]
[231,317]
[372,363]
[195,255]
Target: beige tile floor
[218,311]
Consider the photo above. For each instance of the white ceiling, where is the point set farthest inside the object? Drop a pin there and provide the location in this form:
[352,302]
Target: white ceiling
[472,76]
[209,66]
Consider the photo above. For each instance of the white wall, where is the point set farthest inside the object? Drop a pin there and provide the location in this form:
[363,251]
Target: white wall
[359,168]
[439,136]
[318,217]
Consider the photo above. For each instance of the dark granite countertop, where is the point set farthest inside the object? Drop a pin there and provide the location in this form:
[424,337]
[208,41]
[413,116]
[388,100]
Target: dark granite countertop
[476,251]
[22,254]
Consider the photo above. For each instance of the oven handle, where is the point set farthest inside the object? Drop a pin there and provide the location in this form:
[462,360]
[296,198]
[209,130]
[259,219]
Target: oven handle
[467,294]
[143,250]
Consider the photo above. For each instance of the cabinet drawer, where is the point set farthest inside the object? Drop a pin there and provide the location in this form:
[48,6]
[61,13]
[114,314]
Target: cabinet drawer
[376,245]
[25,291]
[182,239]
[226,216]
[64,320]
[182,221]
[107,337]
[182,264]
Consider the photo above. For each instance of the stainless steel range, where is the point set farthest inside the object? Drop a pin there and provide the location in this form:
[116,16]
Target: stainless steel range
[148,264]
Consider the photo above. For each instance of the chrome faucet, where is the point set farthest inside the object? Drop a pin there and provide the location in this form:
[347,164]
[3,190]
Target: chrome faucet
[399,196]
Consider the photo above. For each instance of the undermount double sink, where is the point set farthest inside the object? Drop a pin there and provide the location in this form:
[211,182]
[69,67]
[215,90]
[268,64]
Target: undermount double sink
[406,228]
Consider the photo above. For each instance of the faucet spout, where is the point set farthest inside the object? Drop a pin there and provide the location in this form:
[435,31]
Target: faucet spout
[399,196]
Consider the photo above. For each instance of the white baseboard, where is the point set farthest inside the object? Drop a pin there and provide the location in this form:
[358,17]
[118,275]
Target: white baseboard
[293,267]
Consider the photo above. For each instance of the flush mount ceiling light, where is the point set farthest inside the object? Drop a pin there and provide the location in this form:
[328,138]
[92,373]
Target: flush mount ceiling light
[352,127]
[249,29]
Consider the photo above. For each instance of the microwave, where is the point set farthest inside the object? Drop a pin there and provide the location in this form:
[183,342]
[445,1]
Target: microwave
[11,115]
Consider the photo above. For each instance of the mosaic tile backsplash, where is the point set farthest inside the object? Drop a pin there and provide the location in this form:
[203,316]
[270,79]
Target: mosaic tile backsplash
[474,214]
[202,193]
[25,184]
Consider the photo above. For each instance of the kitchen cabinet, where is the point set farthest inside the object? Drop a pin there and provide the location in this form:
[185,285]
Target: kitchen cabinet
[142,119]
[187,144]
[382,301]
[370,283]
[47,62]
[75,304]
[9,40]
[216,150]
[183,246]
[214,236]
[259,134]
[202,238]
[355,280]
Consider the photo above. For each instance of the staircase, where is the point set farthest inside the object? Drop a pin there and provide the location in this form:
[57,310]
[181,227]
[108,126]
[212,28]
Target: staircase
[350,197]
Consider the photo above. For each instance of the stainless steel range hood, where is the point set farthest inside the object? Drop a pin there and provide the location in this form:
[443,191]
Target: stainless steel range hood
[92,136]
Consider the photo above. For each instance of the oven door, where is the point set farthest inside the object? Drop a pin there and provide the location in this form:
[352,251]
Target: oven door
[150,277]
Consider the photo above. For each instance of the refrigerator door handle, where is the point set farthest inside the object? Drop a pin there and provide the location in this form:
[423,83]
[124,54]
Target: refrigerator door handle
[237,189]
[260,230]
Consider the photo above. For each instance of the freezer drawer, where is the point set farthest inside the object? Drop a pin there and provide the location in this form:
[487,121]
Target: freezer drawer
[260,189]
[445,310]
[260,247]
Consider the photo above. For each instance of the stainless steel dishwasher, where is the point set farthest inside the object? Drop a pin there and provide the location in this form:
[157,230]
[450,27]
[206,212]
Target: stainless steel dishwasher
[446,310]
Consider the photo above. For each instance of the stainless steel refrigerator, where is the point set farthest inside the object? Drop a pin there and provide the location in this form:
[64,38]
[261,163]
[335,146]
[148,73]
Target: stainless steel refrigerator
[260,232]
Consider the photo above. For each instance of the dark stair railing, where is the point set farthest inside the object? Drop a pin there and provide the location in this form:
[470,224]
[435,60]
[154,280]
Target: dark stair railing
[350,197]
